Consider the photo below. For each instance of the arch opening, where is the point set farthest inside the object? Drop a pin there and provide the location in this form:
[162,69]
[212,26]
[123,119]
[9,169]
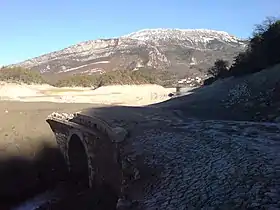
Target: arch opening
[78,163]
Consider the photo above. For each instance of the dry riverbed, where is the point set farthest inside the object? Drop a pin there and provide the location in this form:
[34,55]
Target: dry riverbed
[30,161]
[132,95]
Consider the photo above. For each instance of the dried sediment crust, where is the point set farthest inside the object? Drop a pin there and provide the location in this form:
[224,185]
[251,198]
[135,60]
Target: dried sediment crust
[202,164]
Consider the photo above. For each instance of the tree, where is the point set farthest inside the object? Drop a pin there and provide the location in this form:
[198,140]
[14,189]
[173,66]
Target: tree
[220,69]
[22,75]
[260,29]
[263,49]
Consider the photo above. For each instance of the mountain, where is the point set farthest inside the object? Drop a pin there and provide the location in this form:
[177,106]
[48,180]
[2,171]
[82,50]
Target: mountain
[186,52]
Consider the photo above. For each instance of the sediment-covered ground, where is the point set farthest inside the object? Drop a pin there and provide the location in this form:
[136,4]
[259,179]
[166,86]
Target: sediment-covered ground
[132,95]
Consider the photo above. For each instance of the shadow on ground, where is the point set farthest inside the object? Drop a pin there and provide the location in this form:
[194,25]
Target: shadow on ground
[202,102]
[23,177]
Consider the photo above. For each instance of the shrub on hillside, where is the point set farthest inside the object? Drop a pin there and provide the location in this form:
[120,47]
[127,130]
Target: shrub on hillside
[262,52]
[220,69]
[109,78]
[21,75]
[126,78]
[209,81]
[77,80]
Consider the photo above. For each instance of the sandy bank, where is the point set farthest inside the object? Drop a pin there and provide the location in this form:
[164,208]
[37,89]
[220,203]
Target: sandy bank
[133,95]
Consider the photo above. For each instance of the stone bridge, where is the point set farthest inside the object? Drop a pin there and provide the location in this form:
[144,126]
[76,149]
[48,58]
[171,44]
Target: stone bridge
[154,159]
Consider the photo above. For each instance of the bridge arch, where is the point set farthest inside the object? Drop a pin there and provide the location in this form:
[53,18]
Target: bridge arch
[78,161]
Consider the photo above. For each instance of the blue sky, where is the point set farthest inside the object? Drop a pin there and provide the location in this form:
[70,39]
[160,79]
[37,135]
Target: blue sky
[30,28]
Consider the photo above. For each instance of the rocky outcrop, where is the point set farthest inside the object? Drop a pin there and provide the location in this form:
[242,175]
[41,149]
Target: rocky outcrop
[155,159]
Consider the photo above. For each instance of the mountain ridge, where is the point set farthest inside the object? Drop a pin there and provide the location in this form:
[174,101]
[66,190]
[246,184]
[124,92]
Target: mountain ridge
[188,52]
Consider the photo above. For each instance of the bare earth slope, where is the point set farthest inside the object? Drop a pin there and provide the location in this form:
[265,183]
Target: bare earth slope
[254,97]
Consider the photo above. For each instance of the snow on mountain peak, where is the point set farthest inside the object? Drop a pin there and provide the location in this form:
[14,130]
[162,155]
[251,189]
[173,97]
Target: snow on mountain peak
[194,35]
[150,48]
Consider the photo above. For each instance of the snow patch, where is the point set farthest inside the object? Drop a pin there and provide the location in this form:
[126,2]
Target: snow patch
[192,35]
